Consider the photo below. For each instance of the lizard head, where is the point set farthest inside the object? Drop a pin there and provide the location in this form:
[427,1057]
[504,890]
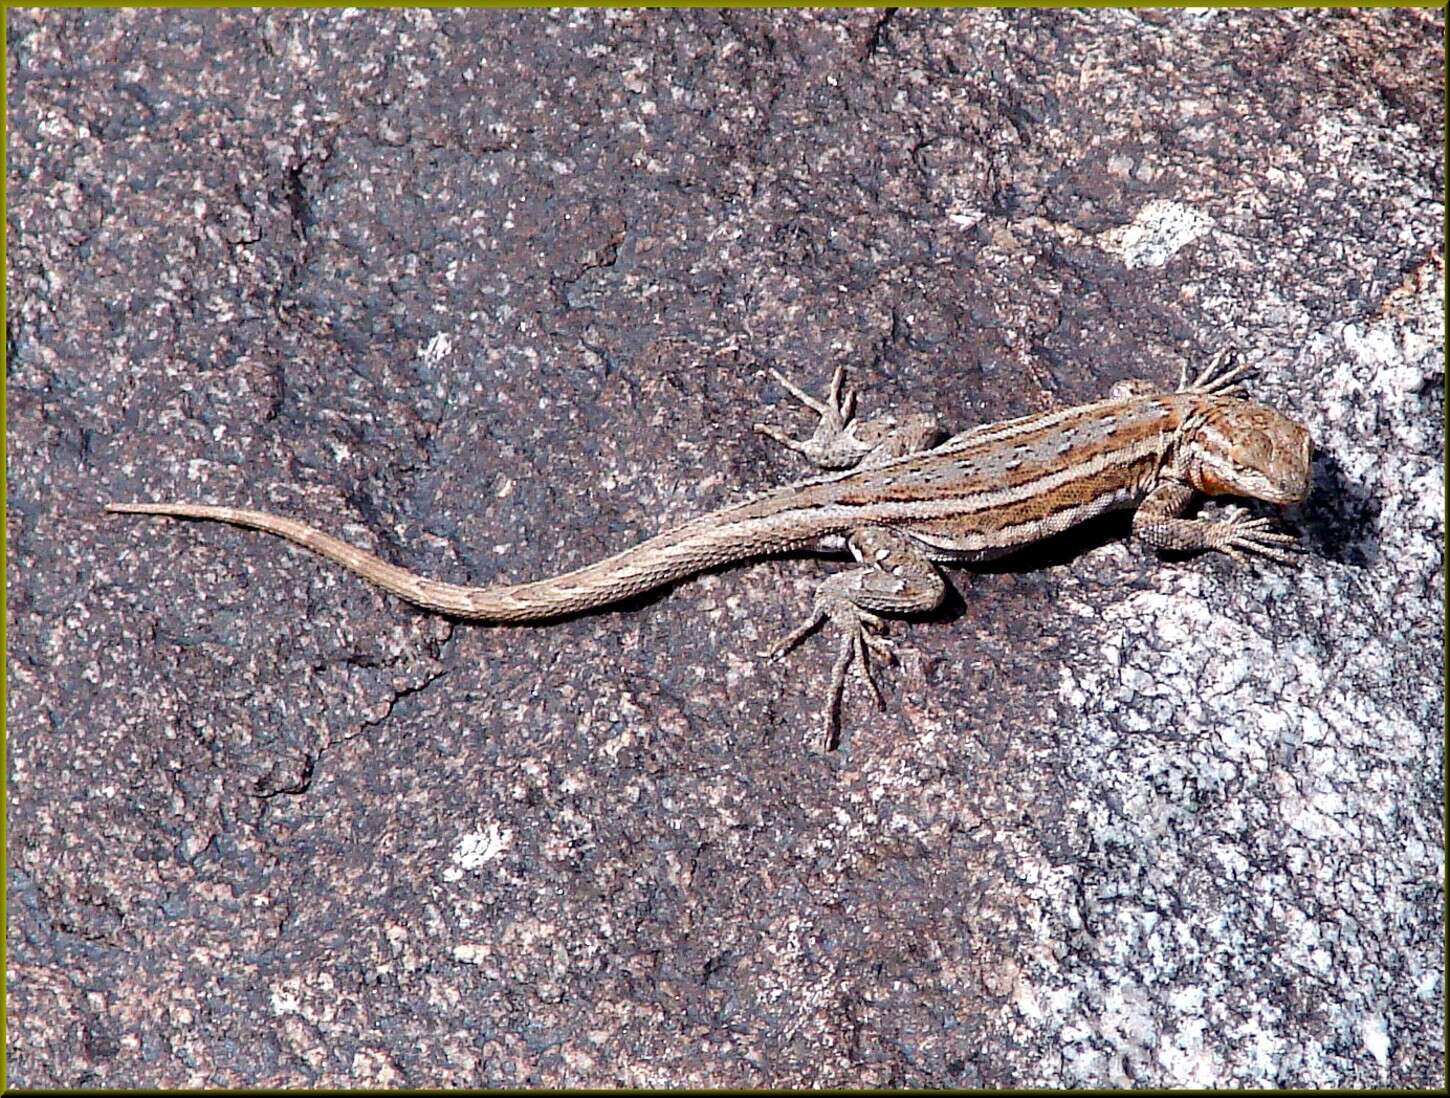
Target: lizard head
[1239,448]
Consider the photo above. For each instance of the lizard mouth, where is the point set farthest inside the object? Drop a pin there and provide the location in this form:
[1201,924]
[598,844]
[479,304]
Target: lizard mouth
[1295,488]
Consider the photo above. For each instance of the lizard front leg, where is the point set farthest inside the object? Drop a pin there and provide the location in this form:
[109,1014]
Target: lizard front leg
[841,441]
[1223,376]
[1158,521]
[894,578]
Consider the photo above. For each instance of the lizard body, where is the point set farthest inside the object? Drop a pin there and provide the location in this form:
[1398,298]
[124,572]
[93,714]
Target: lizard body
[900,505]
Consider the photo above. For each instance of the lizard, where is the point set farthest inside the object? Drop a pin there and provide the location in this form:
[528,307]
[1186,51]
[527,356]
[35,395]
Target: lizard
[900,504]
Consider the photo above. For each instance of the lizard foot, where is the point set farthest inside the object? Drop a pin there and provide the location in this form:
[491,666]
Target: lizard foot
[1239,534]
[841,441]
[860,637]
[1222,376]
[833,445]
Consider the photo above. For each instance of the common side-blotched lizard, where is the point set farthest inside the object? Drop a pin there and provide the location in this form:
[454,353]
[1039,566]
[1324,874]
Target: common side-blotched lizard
[900,505]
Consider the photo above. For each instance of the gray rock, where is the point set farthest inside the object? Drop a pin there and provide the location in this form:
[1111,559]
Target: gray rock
[493,294]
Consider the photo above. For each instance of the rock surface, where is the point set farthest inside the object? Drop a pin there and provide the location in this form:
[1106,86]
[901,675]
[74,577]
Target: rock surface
[494,294]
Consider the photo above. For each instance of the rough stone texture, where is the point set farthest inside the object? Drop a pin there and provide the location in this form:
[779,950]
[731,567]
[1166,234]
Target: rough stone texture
[493,294]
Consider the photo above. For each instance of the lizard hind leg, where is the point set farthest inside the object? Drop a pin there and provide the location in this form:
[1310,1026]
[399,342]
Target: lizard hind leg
[840,440]
[894,578]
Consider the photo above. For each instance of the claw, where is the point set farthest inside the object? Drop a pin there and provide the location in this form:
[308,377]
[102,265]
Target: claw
[859,641]
[795,636]
[1238,535]
[833,445]
[801,395]
[882,647]
[863,663]
[779,436]
[856,646]
[1214,378]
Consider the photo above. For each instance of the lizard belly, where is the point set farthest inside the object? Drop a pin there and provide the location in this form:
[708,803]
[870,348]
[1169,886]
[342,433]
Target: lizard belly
[994,531]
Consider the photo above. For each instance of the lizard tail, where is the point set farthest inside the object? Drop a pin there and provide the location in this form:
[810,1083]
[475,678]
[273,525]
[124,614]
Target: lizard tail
[663,559]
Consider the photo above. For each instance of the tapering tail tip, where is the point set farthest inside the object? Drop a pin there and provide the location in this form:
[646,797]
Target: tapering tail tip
[175,510]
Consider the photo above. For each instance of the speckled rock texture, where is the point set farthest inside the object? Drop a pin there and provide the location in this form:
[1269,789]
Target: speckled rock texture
[495,294]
